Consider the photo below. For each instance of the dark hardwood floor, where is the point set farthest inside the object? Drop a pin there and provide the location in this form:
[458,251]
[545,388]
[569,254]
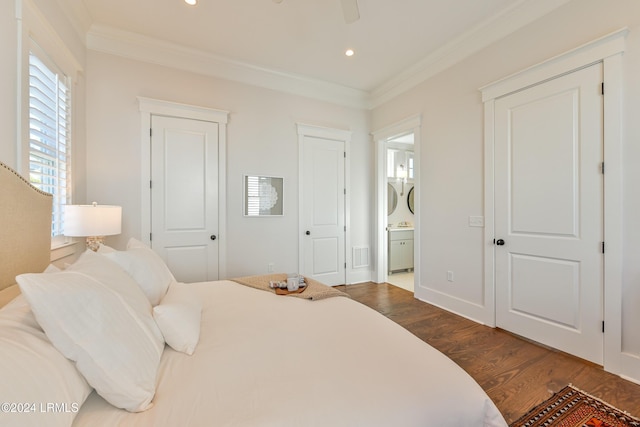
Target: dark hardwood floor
[517,374]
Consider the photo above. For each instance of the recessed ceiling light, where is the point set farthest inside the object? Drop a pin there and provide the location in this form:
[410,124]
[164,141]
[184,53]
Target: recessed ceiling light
[191,2]
[349,52]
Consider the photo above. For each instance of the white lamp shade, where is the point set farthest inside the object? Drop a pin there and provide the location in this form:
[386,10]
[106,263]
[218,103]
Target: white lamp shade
[92,220]
[401,173]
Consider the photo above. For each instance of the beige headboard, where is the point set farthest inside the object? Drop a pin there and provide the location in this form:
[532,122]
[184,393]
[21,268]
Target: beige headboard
[25,227]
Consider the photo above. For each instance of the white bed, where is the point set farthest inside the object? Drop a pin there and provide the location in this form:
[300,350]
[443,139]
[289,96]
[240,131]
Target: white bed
[260,359]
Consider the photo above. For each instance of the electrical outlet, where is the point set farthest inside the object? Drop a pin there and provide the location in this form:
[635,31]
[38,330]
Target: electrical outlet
[450,276]
[271,267]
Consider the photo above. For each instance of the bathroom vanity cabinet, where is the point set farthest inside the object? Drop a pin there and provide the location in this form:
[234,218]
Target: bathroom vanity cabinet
[400,249]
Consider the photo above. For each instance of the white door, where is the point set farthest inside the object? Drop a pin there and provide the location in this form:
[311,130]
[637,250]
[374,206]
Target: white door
[184,196]
[323,210]
[549,213]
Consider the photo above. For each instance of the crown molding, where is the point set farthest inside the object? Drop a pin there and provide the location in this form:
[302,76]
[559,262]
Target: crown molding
[521,13]
[126,44]
[142,48]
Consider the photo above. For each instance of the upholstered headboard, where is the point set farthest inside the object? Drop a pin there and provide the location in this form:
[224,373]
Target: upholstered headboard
[25,227]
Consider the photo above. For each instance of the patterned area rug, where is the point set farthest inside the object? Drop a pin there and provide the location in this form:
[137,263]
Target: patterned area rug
[571,407]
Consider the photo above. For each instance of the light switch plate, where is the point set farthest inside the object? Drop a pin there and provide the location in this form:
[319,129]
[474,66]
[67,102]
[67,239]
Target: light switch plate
[476,221]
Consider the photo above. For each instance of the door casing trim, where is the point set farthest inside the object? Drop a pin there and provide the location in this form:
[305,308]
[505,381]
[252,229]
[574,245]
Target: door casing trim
[154,107]
[608,50]
[411,124]
[336,135]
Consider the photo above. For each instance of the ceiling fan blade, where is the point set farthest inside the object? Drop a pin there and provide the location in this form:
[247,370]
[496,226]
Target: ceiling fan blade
[350,11]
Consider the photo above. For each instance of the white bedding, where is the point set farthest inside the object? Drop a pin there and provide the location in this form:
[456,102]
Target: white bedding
[268,360]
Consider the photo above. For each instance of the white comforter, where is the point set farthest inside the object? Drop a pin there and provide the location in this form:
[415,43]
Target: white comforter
[267,360]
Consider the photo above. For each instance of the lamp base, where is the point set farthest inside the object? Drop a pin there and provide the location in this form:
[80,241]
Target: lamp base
[94,242]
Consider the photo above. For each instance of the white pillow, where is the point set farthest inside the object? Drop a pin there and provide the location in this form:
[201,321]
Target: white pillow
[52,269]
[34,373]
[104,249]
[96,315]
[9,293]
[178,317]
[146,267]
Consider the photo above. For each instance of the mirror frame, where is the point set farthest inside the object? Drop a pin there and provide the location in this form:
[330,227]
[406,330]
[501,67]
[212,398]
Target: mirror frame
[410,200]
[391,191]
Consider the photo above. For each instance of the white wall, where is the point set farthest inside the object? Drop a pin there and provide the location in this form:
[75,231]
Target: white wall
[261,139]
[631,196]
[8,83]
[452,147]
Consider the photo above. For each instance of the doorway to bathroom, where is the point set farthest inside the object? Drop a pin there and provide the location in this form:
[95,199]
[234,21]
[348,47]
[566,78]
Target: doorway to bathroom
[397,203]
[400,174]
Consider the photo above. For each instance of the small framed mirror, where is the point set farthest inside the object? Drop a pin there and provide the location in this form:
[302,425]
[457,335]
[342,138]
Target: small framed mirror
[392,199]
[410,199]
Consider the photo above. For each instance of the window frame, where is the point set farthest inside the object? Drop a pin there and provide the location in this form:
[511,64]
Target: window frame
[66,50]
[45,131]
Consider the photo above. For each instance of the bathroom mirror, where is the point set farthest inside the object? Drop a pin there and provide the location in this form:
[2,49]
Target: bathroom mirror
[392,199]
[410,199]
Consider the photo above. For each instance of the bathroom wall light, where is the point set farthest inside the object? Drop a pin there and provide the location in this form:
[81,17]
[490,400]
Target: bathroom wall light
[401,174]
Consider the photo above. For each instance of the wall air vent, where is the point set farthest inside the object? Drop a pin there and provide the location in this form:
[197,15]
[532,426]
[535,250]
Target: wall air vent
[360,256]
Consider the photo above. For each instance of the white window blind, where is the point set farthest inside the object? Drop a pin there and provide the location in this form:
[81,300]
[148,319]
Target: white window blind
[50,133]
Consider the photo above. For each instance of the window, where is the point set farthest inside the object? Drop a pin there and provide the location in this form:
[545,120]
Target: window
[50,133]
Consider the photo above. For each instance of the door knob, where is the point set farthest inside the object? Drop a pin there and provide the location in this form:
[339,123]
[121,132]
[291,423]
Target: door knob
[499,242]
[308,233]
[213,237]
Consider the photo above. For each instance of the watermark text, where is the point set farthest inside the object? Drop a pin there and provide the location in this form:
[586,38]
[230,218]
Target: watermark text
[40,407]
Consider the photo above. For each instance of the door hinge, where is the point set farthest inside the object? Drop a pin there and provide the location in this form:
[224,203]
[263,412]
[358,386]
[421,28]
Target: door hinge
[602,88]
[345,228]
[345,191]
[603,326]
[602,168]
[602,247]
[150,184]
[150,236]
[345,154]
[150,132]
[345,265]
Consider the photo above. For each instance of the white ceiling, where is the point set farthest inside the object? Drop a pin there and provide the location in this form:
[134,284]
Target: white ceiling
[307,38]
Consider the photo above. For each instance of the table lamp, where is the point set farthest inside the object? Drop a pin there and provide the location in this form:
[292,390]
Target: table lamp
[93,222]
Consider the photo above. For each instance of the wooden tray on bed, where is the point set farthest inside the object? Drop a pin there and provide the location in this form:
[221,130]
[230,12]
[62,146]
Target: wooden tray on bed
[285,291]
